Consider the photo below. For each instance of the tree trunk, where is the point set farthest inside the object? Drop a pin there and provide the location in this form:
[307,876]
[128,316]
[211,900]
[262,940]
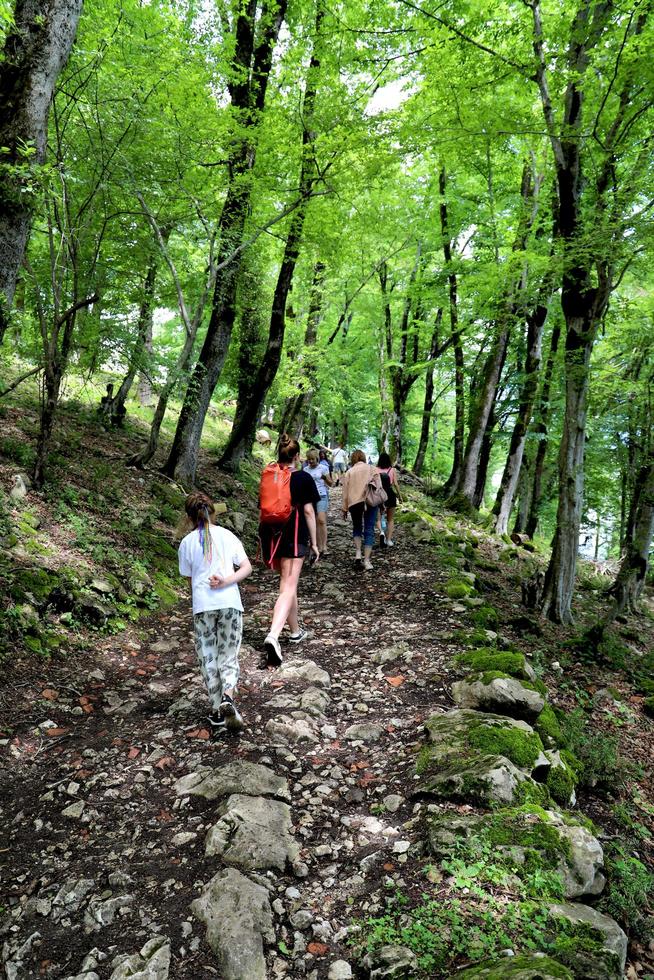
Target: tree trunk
[136,357]
[560,575]
[536,492]
[144,388]
[297,407]
[251,66]
[35,51]
[509,483]
[484,460]
[630,580]
[428,405]
[455,333]
[524,494]
[241,437]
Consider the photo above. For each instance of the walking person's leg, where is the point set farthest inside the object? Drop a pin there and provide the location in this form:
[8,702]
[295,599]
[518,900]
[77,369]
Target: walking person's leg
[356,512]
[206,648]
[390,524]
[229,633]
[286,608]
[369,522]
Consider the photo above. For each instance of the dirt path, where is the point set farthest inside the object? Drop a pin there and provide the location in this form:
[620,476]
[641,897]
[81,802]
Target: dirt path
[101,854]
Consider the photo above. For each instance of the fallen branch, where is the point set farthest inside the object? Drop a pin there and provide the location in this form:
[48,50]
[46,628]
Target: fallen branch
[20,380]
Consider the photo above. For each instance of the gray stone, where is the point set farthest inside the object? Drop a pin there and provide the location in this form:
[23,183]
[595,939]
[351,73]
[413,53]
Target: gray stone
[364,732]
[71,895]
[504,695]
[388,654]
[390,963]
[304,671]
[239,776]
[607,961]
[102,913]
[237,915]
[152,963]
[340,970]
[74,811]
[315,701]
[289,731]
[393,802]
[253,832]
[238,522]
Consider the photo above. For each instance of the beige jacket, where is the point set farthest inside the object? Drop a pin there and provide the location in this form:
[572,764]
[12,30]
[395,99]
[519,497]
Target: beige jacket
[355,484]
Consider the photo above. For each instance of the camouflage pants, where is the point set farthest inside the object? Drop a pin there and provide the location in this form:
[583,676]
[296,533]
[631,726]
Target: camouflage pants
[218,634]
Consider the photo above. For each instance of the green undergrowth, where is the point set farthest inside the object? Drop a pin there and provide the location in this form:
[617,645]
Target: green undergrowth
[629,893]
[599,763]
[444,931]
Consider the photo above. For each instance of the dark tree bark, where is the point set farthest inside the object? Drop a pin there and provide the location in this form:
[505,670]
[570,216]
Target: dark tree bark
[455,333]
[484,458]
[251,66]
[297,407]
[401,369]
[35,51]
[243,430]
[428,405]
[587,279]
[509,483]
[463,490]
[541,430]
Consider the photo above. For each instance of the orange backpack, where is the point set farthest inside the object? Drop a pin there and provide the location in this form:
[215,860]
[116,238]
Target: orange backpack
[275,494]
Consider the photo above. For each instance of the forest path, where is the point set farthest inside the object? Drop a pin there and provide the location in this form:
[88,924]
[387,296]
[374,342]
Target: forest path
[102,855]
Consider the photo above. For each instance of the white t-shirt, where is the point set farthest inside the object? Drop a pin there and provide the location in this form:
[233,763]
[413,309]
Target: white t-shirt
[318,472]
[339,456]
[227,552]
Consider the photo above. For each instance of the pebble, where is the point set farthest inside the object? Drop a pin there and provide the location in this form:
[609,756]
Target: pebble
[393,802]
[401,846]
[339,970]
[75,810]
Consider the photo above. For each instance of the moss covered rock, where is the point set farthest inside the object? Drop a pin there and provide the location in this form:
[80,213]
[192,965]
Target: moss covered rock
[462,734]
[548,727]
[562,776]
[526,839]
[533,966]
[479,779]
[592,944]
[499,692]
[485,659]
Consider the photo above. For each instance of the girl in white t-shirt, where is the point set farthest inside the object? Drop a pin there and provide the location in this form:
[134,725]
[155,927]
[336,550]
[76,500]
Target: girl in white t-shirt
[215,561]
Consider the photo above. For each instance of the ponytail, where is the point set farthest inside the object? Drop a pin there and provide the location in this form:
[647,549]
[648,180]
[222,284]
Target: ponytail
[200,510]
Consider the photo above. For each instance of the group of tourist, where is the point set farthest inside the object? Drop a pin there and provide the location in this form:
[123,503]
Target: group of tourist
[294,504]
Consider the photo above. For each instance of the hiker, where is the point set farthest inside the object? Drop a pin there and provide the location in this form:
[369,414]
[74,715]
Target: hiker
[323,456]
[339,459]
[287,532]
[388,475]
[214,560]
[362,494]
[318,470]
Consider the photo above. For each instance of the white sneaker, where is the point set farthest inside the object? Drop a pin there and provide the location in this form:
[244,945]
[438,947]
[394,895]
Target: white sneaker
[390,544]
[273,651]
[231,715]
[368,565]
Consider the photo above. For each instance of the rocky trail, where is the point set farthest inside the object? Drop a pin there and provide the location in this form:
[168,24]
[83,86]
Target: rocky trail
[134,845]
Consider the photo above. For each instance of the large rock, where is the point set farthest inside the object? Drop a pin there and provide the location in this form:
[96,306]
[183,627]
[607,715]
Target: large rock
[390,963]
[599,949]
[304,672]
[239,776]
[533,966]
[464,734]
[238,918]
[152,963]
[503,694]
[517,836]
[313,701]
[484,780]
[364,732]
[253,832]
[288,731]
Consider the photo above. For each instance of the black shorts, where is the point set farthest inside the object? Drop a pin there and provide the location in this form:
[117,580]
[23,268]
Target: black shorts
[282,541]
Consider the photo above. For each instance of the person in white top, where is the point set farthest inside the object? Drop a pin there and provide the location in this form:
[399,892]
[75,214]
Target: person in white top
[339,461]
[215,561]
[319,470]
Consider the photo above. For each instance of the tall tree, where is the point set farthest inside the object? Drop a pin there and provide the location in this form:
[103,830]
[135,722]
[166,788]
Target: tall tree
[35,50]
[241,437]
[588,263]
[254,44]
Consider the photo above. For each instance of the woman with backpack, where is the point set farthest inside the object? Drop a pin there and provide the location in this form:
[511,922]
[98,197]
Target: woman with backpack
[362,493]
[389,481]
[287,532]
